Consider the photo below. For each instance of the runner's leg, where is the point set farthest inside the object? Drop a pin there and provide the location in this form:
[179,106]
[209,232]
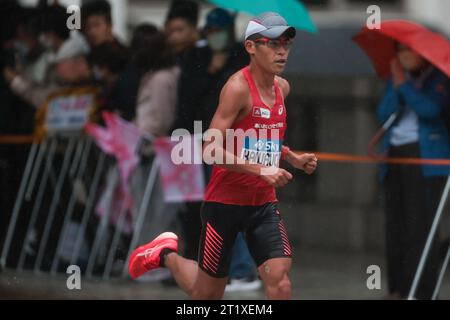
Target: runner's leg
[194,281]
[270,247]
[207,278]
[274,274]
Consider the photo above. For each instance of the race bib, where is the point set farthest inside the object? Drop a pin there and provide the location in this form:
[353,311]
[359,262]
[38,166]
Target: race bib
[266,152]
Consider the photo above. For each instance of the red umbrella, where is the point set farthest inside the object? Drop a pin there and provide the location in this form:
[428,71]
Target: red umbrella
[379,44]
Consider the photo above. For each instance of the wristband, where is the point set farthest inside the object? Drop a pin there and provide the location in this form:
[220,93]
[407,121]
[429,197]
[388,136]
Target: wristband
[284,152]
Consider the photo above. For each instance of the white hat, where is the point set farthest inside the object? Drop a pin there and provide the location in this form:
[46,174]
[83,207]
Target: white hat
[75,46]
[270,25]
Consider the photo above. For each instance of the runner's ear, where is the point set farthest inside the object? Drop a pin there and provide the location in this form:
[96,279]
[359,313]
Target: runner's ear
[250,46]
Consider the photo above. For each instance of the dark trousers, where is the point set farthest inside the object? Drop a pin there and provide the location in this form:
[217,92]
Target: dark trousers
[411,204]
[191,226]
[191,223]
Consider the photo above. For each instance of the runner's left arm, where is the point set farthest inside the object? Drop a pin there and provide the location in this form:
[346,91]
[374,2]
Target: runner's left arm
[306,161]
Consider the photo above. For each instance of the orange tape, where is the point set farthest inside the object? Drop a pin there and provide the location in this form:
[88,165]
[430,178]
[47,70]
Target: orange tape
[322,156]
[339,157]
[16,139]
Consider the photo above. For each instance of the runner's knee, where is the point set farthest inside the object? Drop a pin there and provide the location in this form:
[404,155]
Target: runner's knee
[277,283]
[280,289]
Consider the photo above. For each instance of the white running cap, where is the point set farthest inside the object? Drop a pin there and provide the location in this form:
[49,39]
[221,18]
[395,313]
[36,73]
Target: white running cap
[270,25]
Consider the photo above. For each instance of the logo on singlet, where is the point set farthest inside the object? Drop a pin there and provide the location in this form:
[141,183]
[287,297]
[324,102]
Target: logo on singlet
[261,112]
[280,110]
[261,151]
[278,125]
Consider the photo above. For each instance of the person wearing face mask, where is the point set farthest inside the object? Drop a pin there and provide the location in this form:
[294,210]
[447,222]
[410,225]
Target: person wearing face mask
[31,59]
[417,94]
[35,58]
[46,32]
[219,32]
[206,69]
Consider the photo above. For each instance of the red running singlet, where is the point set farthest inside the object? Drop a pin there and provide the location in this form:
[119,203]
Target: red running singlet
[261,145]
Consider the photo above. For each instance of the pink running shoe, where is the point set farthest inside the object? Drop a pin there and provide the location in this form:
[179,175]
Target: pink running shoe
[147,257]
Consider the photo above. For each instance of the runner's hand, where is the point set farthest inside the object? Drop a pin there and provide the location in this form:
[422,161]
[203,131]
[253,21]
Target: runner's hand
[306,162]
[276,177]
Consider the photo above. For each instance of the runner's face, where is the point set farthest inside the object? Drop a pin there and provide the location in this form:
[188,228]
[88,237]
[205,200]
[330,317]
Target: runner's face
[271,54]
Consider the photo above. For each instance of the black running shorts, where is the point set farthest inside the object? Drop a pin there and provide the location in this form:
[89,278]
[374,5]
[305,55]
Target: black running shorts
[262,226]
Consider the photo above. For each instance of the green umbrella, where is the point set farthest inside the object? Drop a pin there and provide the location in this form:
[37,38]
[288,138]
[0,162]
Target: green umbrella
[292,10]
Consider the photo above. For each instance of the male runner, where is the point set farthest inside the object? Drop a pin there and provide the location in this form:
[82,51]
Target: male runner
[241,196]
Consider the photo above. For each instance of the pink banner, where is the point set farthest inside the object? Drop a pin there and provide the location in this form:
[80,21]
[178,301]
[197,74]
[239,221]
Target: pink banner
[181,182]
[120,139]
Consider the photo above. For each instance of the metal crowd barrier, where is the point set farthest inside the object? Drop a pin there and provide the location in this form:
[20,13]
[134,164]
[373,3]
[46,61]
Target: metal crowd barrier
[58,171]
[54,224]
[427,248]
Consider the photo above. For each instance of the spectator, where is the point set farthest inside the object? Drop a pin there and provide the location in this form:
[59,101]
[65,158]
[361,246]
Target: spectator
[206,69]
[70,68]
[97,26]
[54,29]
[56,37]
[181,27]
[183,36]
[109,62]
[16,117]
[71,62]
[97,23]
[35,59]
[157,98]
[19,51]
[418,94]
